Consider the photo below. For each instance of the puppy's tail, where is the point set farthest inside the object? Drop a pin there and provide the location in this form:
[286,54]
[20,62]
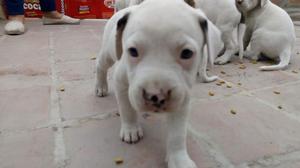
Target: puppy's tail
[284,62]
[241,33]
[202,71]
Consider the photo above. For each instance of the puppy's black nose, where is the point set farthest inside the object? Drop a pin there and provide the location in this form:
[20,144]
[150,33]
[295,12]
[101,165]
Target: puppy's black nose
[154,99]
[157,100]
[239,1]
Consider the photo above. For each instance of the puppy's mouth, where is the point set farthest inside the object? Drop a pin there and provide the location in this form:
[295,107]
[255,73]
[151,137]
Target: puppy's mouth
[156,107]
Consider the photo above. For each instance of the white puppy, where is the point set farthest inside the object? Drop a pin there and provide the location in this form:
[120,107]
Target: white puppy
[218,43]
[269,30]
[222,13]
[226,17]
[157,65]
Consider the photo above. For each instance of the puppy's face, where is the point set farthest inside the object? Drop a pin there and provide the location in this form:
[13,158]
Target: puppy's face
[248,5]
[162,52]
[161,69]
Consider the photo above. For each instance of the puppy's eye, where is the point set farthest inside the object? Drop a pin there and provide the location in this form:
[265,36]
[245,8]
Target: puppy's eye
[133,52]
[186,54]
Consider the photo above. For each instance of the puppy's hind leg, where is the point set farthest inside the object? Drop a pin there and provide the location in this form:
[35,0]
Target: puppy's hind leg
[103,63]
[285,57]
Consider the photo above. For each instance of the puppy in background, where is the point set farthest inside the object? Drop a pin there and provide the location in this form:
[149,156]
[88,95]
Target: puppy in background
[269,31]
[226,17]
[121,4]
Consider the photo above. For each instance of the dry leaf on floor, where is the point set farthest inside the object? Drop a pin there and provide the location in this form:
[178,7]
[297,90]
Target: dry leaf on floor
[242,67]
[229,85]
[280,107]
[118,160]
[62,88]
[240,84]
[253,61]
[294,71]
[222,72]
[93,57]
[211,93]
[233,112]
[276,92]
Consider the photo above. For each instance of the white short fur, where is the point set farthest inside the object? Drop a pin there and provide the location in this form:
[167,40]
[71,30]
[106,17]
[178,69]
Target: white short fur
[224,14]
[150,63]
[269,31]
[218,43]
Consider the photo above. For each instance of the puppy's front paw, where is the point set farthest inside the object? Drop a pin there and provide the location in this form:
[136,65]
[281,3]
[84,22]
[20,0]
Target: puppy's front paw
[222,60]
[131,133]
[101,89]
[180,160]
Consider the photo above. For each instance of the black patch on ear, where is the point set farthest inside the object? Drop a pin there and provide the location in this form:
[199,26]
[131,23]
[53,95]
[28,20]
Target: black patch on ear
[120,28]
[122,22]
[203,24]
[204,27]
[242,18]
[191,3]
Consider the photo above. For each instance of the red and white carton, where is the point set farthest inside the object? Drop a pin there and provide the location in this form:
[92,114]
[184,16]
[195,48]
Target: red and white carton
[83,9]
[33,8]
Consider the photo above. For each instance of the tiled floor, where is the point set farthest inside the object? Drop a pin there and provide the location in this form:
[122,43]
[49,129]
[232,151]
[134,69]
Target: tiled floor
[44,127]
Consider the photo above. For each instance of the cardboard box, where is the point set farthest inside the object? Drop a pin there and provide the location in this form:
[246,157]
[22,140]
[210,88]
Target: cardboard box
[101,9]
[33,9]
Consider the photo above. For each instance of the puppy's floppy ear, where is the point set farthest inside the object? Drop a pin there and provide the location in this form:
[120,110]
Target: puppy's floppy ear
[190,2]
[121,24]
[212,38]
[263,2]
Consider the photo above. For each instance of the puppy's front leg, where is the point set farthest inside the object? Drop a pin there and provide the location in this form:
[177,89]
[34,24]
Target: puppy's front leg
[177,156]
[230,45]
[131,131]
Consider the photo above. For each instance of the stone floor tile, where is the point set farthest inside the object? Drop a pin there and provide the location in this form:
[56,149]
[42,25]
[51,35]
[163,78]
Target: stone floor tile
[288,97]
[76,70]
[27,149]
[79,100]
[27,54]
[24,108]
[14,81]
[251,77]
[256,130]
[96,144]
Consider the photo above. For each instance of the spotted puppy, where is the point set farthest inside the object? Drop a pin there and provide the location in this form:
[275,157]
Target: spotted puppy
[269,31]
[157,63]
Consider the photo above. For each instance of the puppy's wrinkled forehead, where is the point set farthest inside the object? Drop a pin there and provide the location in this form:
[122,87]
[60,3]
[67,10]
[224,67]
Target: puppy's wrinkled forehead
[164,18]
